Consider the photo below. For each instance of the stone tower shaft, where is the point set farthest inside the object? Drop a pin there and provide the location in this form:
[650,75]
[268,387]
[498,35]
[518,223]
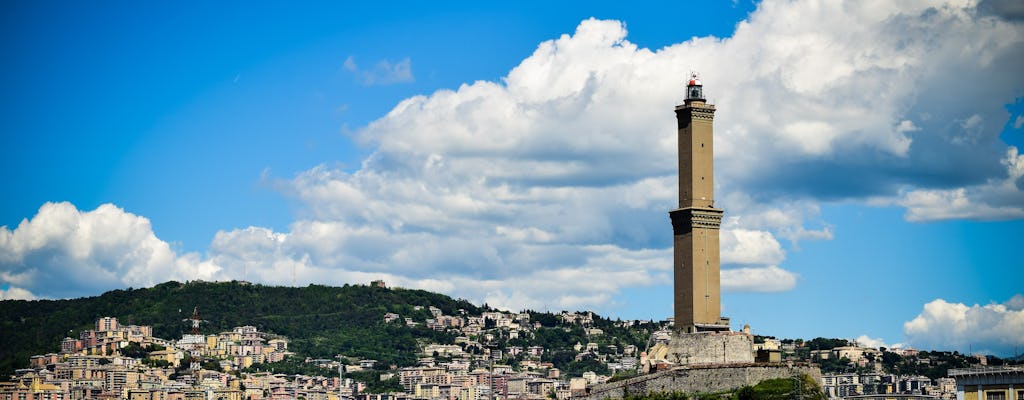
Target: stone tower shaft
[695,224]
[696,154]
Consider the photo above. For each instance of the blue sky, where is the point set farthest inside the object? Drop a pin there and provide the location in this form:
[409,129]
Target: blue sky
[523,155]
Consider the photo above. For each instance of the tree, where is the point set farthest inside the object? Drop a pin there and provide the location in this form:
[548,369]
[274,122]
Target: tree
[546,319]
[157,363]
[133,350]
[820,343]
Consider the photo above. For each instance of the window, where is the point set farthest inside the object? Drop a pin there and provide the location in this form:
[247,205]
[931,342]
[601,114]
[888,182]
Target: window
[995,395]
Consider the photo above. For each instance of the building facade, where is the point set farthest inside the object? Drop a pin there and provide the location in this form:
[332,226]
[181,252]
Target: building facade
[989,383]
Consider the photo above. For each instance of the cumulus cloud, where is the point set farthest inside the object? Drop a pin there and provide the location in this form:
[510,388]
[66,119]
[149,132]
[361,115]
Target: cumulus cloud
[16,293]
[743,246]
[63,252]
[996,199]
[573,148]
[551,186]
[993,328]
[758,279]
[333,253]
[382,73]
[867,341]
[1016,303]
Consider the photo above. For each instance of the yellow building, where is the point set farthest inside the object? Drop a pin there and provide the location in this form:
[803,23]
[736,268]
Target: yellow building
[36,391]
[173,357]
[227,394]
[989,383]
[143,394]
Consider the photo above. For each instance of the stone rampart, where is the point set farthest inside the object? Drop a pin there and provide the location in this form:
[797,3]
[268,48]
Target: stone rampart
[701,379]
[710,348]
[703,348]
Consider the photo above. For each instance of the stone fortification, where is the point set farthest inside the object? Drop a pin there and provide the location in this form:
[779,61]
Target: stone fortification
[701,379]
[704,348]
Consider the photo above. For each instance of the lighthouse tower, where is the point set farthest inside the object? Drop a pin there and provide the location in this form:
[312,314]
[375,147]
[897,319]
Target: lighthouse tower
[695,224]
[702,337]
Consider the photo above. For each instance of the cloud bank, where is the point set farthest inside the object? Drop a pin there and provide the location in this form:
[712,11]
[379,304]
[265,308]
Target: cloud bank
[63,252]
[996,328]
[550,188]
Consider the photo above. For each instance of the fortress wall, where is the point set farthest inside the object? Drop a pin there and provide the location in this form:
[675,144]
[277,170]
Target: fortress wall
[710,348]
[701,379]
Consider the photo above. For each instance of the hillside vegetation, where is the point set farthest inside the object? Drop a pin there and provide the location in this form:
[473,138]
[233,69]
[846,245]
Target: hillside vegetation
[320,321]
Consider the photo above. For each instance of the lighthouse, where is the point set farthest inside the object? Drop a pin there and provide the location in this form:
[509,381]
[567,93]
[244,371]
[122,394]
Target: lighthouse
[695,224]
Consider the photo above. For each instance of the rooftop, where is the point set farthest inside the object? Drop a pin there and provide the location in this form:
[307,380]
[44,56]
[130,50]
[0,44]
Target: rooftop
[1002,369]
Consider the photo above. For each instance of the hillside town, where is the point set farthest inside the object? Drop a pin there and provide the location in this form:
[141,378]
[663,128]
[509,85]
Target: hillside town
[119,361]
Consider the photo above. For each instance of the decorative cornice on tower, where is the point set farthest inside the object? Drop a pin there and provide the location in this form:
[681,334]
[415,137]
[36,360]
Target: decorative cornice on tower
[707,112]
[684,220]
[694,110]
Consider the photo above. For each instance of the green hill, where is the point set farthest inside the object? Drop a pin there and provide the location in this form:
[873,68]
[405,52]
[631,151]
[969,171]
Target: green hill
[320,321]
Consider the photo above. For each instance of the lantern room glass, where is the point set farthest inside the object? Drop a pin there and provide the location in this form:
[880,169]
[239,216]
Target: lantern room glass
[694,92]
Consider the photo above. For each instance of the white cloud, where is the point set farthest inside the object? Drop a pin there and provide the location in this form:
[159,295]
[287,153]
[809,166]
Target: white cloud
[999,198]
[793,220]
[16,293]
[743,246]
[757,279]
[498,182]
[382,73]
[573,149]
[333,253]
[993,328]
[1016,303]
[63,252]
[867,341]
[551,187]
